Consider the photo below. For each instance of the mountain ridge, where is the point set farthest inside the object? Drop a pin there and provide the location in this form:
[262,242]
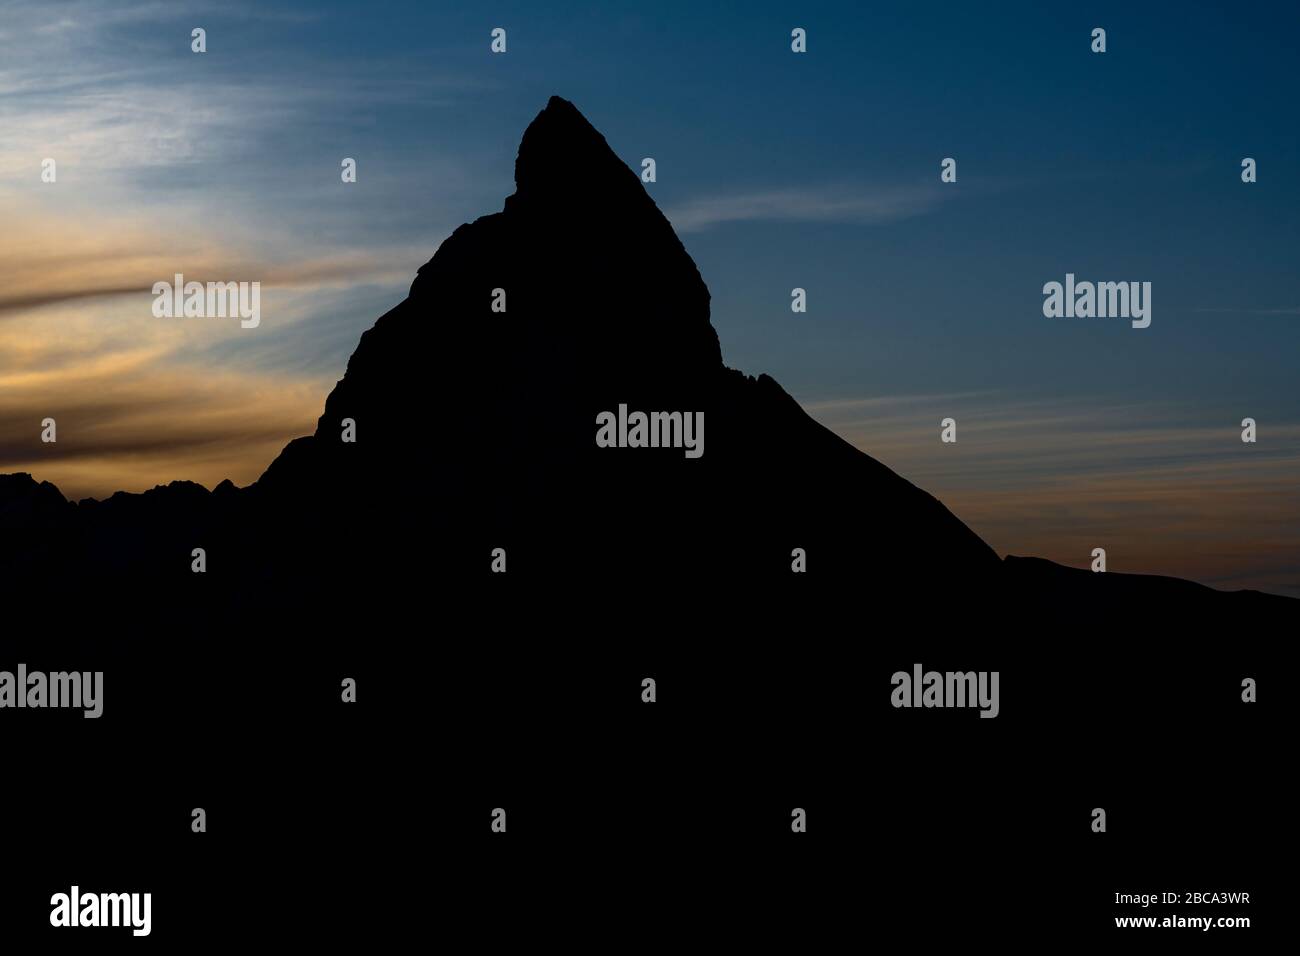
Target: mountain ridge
[601,306]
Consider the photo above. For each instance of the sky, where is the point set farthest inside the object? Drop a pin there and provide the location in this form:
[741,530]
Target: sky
[779,170]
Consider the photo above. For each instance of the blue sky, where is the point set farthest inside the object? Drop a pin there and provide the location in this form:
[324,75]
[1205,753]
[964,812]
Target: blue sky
[818,170]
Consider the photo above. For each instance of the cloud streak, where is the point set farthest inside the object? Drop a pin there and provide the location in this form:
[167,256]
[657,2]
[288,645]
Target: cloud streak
[1295,310]
[847,205]
[1163,492]
[51,259]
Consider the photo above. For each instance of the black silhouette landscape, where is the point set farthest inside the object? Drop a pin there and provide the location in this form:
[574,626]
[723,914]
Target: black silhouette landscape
[372,560]
[475,431]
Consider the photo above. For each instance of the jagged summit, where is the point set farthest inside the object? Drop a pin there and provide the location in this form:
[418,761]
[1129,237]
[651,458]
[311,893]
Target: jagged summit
[598,306]
[566,168]
[597,297]
[581,228]
[564,160]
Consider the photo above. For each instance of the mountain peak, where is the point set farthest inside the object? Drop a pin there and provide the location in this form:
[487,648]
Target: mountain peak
[566,169]
[580,266]
[562,158]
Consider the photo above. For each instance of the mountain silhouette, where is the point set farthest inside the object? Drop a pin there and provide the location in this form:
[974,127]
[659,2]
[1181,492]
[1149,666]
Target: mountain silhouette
[474,405]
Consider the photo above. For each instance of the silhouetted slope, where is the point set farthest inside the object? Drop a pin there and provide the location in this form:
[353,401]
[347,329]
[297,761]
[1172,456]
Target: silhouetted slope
[1115,593]
[496,411]
[475,429]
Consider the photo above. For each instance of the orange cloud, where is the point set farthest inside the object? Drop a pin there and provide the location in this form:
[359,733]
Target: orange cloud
[48,260]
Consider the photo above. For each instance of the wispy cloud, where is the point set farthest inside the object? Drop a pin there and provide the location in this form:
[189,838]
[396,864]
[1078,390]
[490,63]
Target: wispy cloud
[162,167]
[1163,490]
[829,204]
[1294,310]
[47,258]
